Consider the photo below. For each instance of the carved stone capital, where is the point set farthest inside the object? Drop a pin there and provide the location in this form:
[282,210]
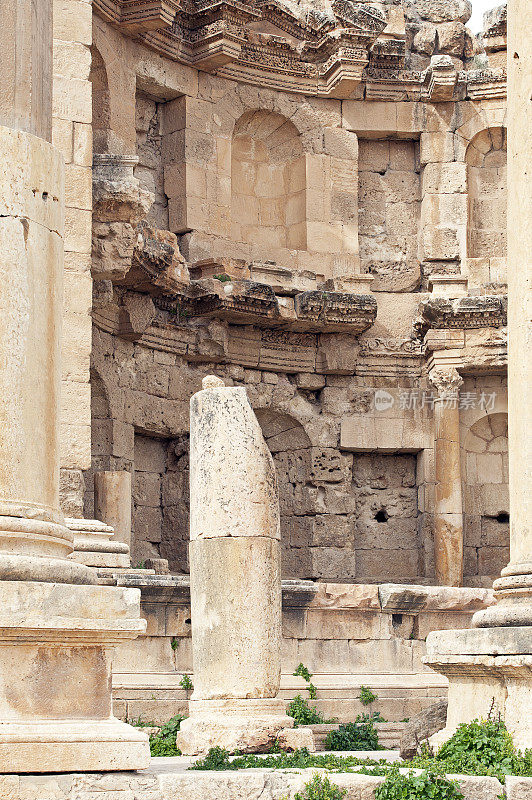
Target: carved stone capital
[446,380]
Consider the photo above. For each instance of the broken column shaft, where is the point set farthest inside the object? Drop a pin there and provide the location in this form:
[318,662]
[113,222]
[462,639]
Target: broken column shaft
[235,578]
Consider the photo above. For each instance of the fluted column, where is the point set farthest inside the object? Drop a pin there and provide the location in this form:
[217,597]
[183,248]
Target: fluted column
[448,517]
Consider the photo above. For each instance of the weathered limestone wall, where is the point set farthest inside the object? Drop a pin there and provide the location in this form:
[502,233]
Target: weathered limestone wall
[484,442]
[245,175]
[161,501]
[339,460]
[149,170]
[389,213]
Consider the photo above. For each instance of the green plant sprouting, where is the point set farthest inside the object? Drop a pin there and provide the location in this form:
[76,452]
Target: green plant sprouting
[366,696]
[164,742]
[320,788]
[303,672]
[186,683]
[359,735]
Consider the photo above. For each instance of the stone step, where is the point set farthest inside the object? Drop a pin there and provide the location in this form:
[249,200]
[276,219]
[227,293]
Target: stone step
[389,734]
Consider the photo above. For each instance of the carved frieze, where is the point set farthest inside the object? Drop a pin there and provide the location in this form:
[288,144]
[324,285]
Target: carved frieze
[336,311]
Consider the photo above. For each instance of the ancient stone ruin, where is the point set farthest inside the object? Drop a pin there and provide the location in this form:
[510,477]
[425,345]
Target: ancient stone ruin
[265,377]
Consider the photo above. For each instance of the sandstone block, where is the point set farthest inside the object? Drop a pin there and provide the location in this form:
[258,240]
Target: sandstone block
[425,39]
[441,178]
[290,739]
[451,38]
[421,727]
[437,146]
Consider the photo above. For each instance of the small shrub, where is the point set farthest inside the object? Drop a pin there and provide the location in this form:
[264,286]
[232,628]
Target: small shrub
[186,683]
[216,759]
[304,714]
[417,787]
[163,743]
[353,736]
[320,788]
[480,747]
[366,696]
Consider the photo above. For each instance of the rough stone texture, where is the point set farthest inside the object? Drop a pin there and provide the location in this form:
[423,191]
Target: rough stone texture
[389,205]
[291,739]
[440,10]
[421,727]
[169,778]
[232,479]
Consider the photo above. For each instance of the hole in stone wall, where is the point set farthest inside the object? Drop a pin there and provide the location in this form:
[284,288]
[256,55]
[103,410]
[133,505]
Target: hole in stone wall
[381,516]
[397,619]
[503,518]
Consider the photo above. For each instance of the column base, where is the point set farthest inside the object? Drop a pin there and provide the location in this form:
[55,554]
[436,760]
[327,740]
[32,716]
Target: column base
[56,644]
[489,669]
[71,746]
[249,726]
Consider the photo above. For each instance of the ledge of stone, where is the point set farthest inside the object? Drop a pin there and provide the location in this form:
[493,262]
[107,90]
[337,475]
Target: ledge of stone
[248,302]
[395,597]
[168,777]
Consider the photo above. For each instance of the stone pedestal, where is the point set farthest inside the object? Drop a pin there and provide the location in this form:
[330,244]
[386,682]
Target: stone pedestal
[235,578]
[56,646]
[448,518]
[492,663]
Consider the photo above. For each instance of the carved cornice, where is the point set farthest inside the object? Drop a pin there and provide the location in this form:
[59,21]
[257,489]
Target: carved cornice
[325,51]
[464,312]
[247,302]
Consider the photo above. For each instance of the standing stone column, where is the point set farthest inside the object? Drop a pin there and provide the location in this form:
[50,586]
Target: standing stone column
[448,517]
[57,628]
[235,578]
[494,659]
[112,502]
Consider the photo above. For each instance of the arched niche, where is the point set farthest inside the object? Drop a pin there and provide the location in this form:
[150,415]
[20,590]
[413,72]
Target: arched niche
[486,503]
[268,182]
[486,185]
[101,107]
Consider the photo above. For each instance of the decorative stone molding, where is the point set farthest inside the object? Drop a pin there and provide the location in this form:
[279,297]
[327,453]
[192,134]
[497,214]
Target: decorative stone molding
[446,380]
[440,79]
[464,312]
[315,52]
